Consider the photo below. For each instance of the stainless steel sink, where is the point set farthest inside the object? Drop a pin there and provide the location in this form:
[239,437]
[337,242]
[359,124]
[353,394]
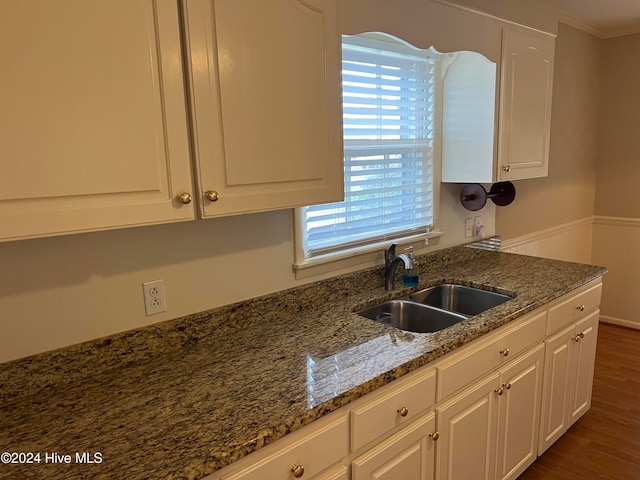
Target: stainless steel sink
[460,299]
[411,316]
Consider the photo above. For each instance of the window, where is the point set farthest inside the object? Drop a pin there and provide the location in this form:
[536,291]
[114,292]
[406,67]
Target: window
[388,117]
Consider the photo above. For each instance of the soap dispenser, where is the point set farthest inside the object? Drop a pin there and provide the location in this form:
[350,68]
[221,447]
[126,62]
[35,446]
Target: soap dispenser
[410,277]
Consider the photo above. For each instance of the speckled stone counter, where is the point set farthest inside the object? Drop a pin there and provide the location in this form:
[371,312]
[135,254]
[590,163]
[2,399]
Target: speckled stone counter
[184,398]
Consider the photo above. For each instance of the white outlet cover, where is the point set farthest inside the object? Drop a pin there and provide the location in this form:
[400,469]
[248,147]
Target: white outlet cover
[155,300]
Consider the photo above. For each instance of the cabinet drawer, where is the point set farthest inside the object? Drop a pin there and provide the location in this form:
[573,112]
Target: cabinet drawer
[385,411]
[315,452]
[479,359]
[574,307]
[408,454]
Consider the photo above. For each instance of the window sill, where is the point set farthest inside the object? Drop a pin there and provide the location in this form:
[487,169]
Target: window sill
[369,256]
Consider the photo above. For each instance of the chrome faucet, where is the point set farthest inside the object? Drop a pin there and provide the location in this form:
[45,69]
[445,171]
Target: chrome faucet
[391,261]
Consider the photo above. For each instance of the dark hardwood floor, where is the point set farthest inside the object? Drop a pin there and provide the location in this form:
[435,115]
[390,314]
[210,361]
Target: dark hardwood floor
[605,443]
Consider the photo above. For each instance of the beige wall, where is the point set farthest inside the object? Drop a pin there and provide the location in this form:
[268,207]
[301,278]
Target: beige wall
[568,193]
[616,240]
[618,190]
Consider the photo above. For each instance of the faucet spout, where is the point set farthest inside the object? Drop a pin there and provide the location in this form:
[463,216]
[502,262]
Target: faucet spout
[391,262]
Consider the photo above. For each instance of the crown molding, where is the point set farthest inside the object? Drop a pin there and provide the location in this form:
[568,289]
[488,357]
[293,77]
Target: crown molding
[588,27]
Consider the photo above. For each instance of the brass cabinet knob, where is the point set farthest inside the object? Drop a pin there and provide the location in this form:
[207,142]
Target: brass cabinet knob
[297,470]
[211,195]
[579,337]
[434,436]
[580,307]
[506,168]
[499,390]
[504,352]
[404,411]
[185,198]
[507,386]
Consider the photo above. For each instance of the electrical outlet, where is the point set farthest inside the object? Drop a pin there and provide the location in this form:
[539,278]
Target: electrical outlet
[154,297]
[468,227]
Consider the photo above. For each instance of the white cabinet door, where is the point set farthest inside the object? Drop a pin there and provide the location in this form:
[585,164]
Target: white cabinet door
[407,455]
[93,129]
[519,414]
[266,103]
[467,428]
[568,378]
[556,387]
[525,104]
[584,357]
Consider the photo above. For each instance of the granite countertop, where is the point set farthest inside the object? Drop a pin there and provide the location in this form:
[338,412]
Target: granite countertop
[184,398]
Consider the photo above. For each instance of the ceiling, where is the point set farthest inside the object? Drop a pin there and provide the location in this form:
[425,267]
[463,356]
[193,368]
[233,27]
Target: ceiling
[604,18]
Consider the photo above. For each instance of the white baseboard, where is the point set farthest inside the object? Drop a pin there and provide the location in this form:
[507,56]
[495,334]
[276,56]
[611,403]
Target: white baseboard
[620,322]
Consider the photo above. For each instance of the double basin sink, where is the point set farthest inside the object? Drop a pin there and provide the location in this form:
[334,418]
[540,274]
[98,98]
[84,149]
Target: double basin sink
[434,308]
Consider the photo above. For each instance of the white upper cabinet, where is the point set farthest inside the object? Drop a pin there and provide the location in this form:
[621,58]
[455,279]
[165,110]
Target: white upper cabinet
[520,130]
[93,129]
[94,124]
[99,128]
[266,103]
[525,104]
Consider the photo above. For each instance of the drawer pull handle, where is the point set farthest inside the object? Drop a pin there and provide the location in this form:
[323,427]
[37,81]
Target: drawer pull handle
[579,337]
[499,390]
[504,352]
[404,411]
[297,470]
[580,307]
[434,436]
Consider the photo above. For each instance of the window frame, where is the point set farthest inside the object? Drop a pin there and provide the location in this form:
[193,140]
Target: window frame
[371,253]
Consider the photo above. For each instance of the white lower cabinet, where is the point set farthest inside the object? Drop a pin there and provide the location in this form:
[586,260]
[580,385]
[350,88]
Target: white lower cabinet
[404,401]
[583,364]
[407,455]
[338,473]
[519,414]
[484,412]
[307,453]
[568,379]
[467,427]
[490,430]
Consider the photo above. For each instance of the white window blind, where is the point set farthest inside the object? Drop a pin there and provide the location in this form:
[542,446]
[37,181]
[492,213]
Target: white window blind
[388,117]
